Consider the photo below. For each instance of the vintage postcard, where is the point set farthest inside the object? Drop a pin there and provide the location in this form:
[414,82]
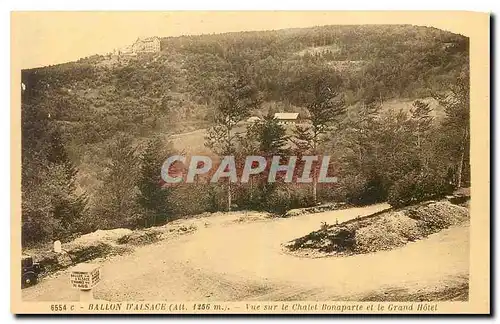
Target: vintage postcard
[250,162]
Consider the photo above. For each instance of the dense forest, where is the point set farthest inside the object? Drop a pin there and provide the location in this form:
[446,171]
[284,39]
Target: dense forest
[95,132]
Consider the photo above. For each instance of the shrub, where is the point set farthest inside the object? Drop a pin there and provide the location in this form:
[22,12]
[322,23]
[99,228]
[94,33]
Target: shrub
[413,188]
[192,199]
[250,197]
[279,201]
[361,190]
[281,198]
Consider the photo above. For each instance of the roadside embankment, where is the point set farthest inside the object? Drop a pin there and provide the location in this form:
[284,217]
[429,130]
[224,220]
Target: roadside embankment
[381,231]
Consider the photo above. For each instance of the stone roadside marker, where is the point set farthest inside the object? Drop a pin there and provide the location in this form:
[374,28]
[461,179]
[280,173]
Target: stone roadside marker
[84,277]
[57,247]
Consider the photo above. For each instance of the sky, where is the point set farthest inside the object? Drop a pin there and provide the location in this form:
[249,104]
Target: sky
[46,38]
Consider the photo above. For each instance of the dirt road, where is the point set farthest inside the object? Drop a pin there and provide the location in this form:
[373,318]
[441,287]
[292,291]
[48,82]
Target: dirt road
[230,259]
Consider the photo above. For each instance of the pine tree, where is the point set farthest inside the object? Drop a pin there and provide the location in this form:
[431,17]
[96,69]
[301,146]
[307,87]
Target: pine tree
[271,136]
[422,121]
[153,197]
[53,207]
[421,115]
[324,107]
[234,102]
[263,138]
[68,205]
[116,198]
[457,122]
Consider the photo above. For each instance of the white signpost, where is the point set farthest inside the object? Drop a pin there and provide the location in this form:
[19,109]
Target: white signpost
[57,247]
[84,277]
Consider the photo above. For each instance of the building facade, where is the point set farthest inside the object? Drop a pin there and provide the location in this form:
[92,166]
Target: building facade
[286,118]
[147,45]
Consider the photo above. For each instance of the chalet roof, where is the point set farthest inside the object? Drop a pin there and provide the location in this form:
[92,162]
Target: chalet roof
[286,116]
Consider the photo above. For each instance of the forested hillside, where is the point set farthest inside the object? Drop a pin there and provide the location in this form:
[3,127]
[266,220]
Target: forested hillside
[95,132]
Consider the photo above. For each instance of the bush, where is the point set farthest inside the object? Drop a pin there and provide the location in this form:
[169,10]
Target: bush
[279,201]
[193,199]
[282,198]
[414,188]
[361,190]
[249,197]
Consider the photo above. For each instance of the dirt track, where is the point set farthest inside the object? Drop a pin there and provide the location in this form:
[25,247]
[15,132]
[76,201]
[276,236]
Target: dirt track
[228,260]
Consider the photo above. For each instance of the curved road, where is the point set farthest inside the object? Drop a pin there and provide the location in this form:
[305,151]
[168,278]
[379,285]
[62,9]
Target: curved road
[228,260]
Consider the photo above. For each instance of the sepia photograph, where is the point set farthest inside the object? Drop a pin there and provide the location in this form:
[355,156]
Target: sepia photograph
[250,162]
